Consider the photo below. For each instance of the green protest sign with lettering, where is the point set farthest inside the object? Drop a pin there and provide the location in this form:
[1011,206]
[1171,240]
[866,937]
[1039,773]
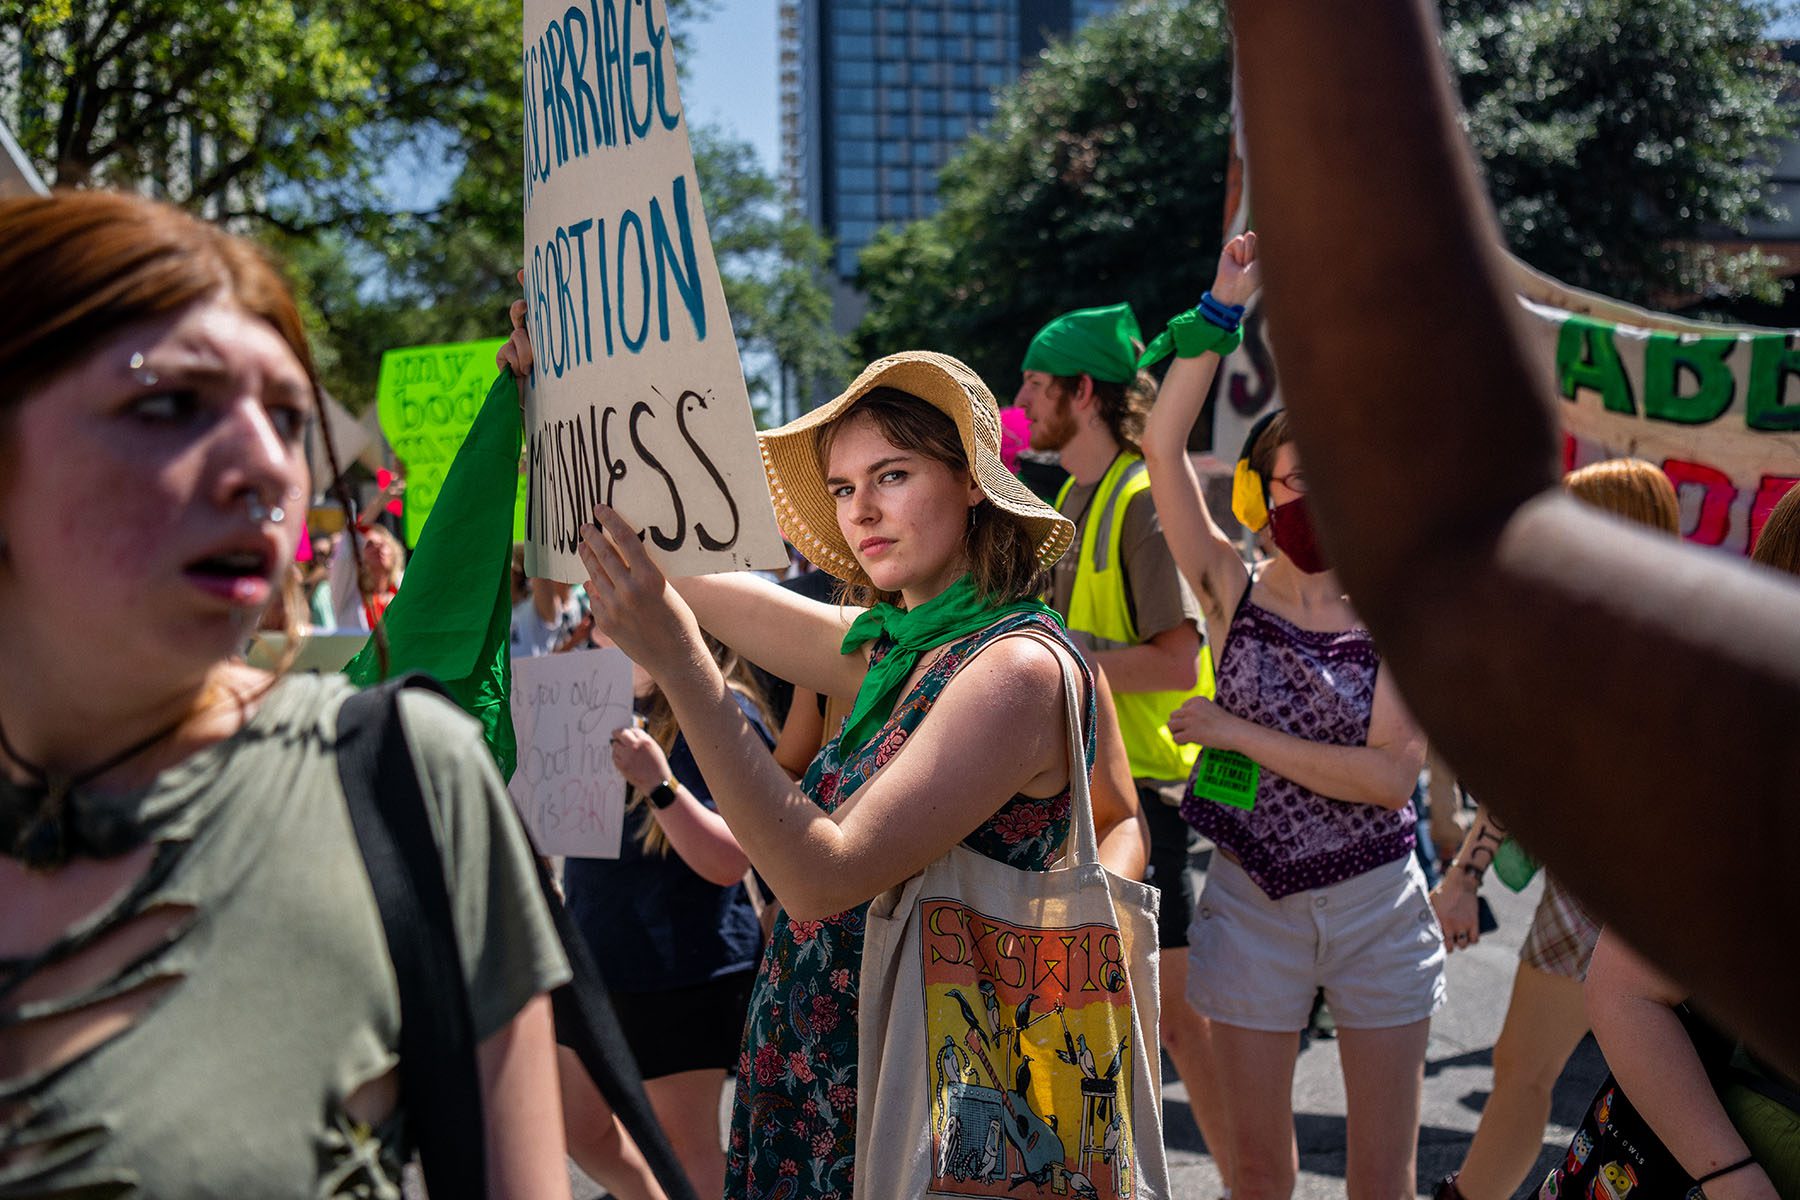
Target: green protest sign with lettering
[427,398]
[1227,777]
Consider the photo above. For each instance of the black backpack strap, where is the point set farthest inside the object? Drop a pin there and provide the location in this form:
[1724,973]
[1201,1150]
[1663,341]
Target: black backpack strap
[440,1085]
[374,761]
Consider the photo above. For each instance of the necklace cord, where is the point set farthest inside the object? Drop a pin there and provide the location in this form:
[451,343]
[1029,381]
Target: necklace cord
[43,776]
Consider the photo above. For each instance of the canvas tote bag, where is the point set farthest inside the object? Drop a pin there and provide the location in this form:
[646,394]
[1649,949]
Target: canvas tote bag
[1008,1025]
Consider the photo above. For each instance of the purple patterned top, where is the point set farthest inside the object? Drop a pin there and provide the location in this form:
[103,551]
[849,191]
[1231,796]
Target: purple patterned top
[1321,687]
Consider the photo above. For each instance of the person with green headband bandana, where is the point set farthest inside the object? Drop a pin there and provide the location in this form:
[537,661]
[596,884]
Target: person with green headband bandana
[1126,604]
[957,734]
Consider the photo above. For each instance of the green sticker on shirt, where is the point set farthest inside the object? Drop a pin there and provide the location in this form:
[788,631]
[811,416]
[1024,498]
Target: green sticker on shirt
[1227,777]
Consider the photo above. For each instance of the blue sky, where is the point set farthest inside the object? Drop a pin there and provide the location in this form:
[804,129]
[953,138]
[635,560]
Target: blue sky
[731,82]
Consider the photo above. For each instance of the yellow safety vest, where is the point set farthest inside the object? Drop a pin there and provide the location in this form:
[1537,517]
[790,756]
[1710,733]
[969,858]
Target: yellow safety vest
[1097,606]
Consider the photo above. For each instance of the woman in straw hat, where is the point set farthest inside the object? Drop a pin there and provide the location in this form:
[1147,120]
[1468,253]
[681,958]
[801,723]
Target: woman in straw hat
[956,736]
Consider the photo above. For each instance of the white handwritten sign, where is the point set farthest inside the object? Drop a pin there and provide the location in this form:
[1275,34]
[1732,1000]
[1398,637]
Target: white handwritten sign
[1717,407]
[638,398]
[565,709]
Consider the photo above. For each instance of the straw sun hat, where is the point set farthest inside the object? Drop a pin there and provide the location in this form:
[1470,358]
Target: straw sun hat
[804,508]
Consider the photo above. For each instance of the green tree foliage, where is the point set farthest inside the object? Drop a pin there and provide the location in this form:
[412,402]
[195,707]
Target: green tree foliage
[294,120]
[450,277]
[1616,133]
[1101,178]
[278,110]
[773,264]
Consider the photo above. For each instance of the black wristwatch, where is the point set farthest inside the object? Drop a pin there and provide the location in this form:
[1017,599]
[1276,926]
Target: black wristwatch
[663,794]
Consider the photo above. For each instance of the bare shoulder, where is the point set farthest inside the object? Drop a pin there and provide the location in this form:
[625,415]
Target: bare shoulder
[1017,672]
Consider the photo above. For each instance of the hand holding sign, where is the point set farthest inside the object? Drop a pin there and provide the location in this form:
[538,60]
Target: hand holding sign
[632,602]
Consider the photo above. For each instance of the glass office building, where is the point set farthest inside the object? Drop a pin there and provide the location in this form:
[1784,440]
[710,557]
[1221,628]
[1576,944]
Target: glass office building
[877,95]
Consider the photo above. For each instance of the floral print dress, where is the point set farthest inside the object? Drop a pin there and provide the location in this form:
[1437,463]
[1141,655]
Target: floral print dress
[793,1128]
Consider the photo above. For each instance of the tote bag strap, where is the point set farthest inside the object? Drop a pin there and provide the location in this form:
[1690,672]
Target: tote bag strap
[1081,807]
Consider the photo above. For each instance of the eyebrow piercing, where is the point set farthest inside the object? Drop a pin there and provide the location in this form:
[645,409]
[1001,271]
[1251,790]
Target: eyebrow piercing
[143,376]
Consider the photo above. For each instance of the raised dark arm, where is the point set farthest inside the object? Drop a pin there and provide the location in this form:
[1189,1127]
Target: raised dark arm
[1630,706]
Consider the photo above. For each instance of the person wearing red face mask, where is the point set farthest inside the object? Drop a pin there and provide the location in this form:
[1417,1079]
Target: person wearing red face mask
[1304,788]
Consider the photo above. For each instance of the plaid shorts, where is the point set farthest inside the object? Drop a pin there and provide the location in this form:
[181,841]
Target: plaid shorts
[1562,935]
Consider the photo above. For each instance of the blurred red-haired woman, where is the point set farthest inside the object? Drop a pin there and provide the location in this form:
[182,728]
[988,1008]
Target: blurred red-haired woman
[195,997]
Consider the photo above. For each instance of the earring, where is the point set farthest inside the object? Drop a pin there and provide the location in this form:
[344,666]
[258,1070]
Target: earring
[144,377]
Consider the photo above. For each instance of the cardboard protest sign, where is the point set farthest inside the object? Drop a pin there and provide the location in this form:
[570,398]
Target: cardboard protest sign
[1717,407]
[349,441]
[321,653]
[427,397]
[638,398]
[565,709]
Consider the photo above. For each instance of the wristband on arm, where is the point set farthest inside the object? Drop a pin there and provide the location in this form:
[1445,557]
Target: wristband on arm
[1209,326]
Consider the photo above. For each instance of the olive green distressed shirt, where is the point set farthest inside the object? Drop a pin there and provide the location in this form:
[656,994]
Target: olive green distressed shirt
[270,994]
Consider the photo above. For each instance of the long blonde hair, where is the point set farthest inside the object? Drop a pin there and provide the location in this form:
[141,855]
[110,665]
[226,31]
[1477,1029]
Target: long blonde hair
[1778,545]
[1629,488]
[659,723]
[396,555]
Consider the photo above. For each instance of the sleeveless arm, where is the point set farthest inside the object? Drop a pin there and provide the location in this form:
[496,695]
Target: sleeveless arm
[1631,1007]
[1118,821]
[994,732]
[781,631]
[1208,560]
[1594,684]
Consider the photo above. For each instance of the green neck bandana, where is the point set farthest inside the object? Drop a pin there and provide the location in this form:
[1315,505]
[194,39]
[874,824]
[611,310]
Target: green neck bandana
[1098,342]
[957,612]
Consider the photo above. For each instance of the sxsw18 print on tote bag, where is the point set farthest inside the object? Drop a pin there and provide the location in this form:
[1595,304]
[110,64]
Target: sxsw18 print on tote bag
[1030,1034]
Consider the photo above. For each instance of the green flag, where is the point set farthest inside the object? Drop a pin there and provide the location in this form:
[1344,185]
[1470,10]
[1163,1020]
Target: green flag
[452,616]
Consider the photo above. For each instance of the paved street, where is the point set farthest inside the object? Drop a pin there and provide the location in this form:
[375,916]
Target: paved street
[1458,1074]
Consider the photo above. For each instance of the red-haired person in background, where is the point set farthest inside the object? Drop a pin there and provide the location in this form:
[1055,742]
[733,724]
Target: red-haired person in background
[1545,1018]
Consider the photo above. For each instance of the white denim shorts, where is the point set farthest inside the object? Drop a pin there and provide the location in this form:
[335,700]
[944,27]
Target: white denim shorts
[1371,941]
